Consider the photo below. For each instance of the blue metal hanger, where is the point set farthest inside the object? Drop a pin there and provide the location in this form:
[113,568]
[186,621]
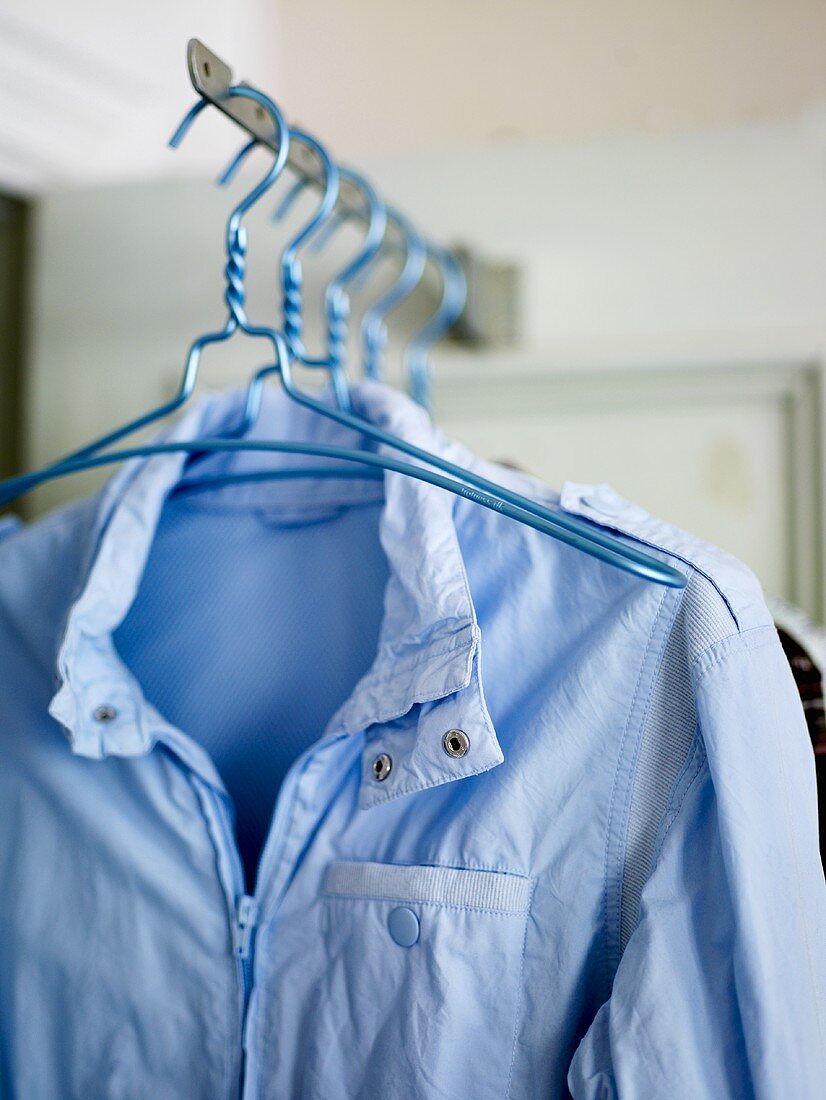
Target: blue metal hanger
[292,271]
[417,363]
[321,229]
[336,298]
[235,295]
[373,327]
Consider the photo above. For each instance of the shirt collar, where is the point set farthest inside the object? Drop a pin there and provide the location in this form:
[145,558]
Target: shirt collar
[425,678]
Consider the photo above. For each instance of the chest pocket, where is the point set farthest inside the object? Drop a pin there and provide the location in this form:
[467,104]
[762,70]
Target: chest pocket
[423,984]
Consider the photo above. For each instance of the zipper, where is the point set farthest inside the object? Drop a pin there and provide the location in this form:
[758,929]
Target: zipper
[246,913]
[244,909]
[243,913]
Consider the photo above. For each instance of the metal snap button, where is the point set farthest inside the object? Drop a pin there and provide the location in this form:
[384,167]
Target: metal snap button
[404,926]
[456,742]
[381,767]
[105,713]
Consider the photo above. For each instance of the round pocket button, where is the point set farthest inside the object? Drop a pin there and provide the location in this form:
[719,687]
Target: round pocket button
[404,926]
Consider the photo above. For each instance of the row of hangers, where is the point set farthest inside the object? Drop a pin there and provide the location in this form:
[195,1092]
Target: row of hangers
[287,347]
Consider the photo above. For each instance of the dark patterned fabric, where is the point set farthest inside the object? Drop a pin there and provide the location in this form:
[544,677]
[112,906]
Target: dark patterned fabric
[809,679]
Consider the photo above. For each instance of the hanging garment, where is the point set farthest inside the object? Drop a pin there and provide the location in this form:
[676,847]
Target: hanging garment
[538,825]
[804,643]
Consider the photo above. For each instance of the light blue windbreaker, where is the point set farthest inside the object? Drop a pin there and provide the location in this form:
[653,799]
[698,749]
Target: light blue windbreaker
[544,826]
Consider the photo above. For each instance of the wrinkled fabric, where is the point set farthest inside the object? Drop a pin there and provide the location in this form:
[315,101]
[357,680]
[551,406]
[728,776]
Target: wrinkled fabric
[615,891]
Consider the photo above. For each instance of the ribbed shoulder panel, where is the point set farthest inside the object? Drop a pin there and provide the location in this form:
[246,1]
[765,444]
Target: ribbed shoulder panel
[667,736]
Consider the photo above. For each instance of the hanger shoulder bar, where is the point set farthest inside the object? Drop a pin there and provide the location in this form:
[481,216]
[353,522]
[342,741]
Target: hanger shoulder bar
[565,528]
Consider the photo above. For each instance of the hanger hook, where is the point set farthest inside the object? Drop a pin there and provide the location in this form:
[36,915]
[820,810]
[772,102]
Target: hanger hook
[373,328]
[236,237]
[336,298]
[292,272]
[417,363]
[235,240]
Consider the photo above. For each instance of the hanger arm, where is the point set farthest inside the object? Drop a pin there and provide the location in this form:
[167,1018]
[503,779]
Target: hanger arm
[594,542]
[560,527]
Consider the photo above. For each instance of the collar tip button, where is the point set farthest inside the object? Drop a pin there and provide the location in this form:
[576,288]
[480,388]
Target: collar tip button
[381,767]
[456,743]
[105,713]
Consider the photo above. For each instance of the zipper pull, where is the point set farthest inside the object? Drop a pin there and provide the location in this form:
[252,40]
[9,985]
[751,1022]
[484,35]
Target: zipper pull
[244,925]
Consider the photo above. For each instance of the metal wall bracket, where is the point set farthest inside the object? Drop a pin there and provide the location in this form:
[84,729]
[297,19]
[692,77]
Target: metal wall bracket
[491,314]
[212,78]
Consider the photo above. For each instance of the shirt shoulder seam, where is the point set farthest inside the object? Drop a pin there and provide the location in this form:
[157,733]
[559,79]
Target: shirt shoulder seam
[755,637]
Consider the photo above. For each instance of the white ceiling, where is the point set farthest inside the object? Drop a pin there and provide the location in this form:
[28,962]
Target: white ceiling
[401,75]
[91,89]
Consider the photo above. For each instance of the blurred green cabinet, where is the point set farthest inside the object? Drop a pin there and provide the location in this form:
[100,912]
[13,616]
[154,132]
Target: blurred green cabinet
[12,261]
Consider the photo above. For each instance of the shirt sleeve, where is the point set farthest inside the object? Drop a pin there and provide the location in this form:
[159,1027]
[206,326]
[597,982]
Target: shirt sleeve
[721,990]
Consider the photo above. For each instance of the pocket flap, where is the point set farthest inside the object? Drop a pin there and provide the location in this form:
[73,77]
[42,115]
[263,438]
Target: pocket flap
[498,891]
